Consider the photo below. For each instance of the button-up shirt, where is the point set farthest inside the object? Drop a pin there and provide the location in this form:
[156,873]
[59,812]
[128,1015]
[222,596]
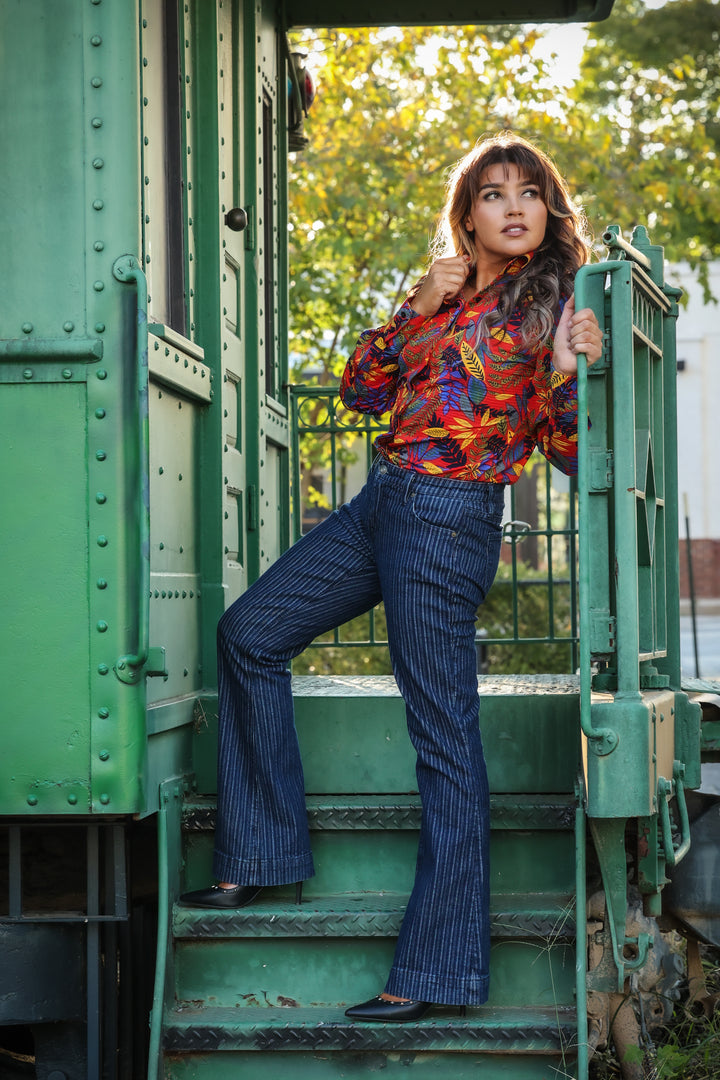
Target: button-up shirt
[464,406]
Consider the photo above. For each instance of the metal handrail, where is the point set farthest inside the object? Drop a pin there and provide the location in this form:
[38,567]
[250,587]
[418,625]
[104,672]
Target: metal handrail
[128,667]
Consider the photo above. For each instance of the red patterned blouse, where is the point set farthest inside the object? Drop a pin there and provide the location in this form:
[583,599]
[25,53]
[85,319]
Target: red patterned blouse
[461,406]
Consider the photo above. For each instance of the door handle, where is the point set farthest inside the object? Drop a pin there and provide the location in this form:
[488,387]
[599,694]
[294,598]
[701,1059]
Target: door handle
[236,219]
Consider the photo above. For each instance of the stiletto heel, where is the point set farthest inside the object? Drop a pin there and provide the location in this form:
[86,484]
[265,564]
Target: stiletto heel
[298,892]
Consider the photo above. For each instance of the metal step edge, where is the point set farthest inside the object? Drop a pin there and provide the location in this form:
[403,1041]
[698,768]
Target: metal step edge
[531,1031]
[551,920]
[382,812]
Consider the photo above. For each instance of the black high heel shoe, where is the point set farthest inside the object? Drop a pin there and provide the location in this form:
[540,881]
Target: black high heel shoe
[215,897]
[237,897]
[389,1012]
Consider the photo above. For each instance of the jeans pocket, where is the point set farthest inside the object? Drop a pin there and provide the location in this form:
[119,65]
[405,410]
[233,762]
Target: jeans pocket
[437,511]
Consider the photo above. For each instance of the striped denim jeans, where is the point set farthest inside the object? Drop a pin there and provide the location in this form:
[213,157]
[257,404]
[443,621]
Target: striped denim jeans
[429,548]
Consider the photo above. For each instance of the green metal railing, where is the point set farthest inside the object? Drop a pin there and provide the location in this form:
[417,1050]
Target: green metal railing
[628,473]
[332,450]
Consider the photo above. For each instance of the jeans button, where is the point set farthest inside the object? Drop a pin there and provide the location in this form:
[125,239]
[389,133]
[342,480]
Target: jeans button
[383,468]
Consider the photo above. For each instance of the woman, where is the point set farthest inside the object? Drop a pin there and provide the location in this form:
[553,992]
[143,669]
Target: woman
[476,368]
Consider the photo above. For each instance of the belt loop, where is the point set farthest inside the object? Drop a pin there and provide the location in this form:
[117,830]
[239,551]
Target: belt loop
[410,480]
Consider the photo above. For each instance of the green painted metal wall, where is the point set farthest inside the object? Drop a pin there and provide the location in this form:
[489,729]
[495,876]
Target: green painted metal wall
[143,369]
[67,348]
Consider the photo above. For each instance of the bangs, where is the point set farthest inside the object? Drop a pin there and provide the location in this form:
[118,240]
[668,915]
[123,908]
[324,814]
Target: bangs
[527,163]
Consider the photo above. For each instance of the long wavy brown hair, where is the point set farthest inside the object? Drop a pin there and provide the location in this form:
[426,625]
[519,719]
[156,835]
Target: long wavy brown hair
[539,287]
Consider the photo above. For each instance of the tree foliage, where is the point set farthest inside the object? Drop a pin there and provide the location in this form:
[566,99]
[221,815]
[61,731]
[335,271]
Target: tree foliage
[637,136]
[650,80]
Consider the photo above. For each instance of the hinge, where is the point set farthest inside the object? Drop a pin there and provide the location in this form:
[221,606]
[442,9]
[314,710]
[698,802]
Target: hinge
[602,469]
[250,229]
[252,508]
[602,632]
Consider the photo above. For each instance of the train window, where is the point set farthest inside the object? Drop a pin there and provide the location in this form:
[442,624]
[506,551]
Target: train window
[268,158]
[164,187]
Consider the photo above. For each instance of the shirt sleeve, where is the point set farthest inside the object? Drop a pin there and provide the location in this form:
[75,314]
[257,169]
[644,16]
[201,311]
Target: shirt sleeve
[370,380]
[553,414]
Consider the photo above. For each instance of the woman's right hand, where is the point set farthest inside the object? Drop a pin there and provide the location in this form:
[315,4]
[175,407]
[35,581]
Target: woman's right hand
[443,281]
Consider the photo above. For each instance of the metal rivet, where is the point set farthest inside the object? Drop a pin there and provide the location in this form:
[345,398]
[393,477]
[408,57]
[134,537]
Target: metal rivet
[68,327]
[100,413]
[102,626]
[104,755]
[32,800]
[96,122]
[102,541]
[103,669]
[104,712]
[27,328]
[96,40]
[100,455]
[72,799]
[161,546]
[99,245]
[104,799]
[67,373]
[101,373]
[101,583]
[98,286]
[101,498]
[96,81]
[27,373]
[161,470]
[181,549]
[145,101]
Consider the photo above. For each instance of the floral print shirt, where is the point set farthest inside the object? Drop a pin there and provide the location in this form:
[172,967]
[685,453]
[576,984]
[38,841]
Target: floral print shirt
[461,406]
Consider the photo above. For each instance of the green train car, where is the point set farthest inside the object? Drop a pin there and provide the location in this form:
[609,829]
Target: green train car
[146,427]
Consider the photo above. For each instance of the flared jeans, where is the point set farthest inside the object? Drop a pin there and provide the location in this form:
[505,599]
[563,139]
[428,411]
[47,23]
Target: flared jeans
[428,547]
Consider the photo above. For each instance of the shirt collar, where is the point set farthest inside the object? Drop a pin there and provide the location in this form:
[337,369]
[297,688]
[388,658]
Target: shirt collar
[511,269]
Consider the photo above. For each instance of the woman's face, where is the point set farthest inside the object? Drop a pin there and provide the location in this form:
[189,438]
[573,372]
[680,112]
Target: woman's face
[508,217]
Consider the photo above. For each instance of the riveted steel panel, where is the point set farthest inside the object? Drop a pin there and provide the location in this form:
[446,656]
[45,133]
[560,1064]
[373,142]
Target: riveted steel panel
[69,382]
[43,595]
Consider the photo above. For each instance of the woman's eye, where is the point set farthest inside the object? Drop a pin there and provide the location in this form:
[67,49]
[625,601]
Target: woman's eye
[533,193]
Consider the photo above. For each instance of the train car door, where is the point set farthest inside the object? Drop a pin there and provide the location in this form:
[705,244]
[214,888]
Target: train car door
[266,86]
[254,294]
[236,237]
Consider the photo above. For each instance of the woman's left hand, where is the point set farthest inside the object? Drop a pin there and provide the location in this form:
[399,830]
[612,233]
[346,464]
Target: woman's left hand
[577,332]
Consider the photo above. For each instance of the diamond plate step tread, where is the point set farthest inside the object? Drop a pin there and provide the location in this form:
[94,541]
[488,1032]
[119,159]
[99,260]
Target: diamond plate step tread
[385,685]
[549,918]
[190,1029]
[391,812]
